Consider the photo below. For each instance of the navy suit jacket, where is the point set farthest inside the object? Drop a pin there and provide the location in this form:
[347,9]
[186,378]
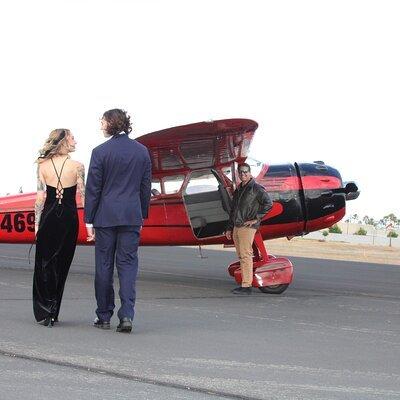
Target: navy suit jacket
[118,183]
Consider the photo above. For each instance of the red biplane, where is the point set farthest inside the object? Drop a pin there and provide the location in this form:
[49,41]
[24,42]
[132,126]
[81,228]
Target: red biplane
[194,176]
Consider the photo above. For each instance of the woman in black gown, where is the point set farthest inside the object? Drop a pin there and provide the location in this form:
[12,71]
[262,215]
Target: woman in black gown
[56,222]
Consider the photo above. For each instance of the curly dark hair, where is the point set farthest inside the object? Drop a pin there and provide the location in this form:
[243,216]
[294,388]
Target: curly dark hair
[117,121]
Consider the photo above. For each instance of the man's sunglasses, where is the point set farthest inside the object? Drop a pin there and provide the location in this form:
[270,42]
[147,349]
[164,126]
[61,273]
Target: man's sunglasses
[244,171]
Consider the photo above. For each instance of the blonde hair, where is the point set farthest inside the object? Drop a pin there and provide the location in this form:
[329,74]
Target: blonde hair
[53,144]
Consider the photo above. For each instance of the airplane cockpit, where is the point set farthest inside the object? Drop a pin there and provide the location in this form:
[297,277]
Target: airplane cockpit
[195,167]
[206,193]
[208,202]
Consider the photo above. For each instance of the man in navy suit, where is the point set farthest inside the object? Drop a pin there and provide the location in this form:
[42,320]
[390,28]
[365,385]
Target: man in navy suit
[116,202]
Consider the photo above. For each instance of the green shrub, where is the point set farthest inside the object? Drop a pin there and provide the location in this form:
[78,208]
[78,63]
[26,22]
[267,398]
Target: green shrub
[361,232]
[325,233]
[392,234]
[335,229]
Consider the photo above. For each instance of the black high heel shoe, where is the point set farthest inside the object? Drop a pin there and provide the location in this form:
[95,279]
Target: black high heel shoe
[49,322]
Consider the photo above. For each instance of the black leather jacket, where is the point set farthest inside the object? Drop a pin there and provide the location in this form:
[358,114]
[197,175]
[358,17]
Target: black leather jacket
[249,202]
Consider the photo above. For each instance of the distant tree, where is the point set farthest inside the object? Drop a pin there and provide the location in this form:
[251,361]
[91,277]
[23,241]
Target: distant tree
[392,234]
[335,229]
[391,219]
[361,232]
[369,221]
[348,220]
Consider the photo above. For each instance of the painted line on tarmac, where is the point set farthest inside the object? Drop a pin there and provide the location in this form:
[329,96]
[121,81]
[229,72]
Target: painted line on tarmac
[120,375]
[284,387]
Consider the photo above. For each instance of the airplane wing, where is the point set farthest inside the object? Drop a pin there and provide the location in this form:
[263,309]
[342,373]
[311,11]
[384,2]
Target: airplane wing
[200,145]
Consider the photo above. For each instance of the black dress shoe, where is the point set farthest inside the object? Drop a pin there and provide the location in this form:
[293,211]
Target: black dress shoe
[242,290]
[98,323]
[125,325]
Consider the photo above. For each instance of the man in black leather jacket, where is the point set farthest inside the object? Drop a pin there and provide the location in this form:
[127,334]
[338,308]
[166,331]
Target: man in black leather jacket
[250,203]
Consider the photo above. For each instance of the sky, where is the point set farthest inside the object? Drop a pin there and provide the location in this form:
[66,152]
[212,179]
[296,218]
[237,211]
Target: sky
[320,77]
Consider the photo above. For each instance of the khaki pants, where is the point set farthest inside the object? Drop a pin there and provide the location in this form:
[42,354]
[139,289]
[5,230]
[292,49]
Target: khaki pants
[243,238]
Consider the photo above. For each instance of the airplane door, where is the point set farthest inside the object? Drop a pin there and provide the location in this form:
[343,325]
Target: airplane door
[157,214]
[207,203]
[226,199]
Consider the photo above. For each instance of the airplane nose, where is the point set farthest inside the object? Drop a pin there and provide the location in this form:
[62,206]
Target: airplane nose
[324,195]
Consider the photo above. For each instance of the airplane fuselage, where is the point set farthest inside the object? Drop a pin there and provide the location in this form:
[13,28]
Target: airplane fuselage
[302,202]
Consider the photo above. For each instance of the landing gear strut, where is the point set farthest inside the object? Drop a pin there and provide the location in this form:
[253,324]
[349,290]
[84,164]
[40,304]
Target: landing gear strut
[270,274]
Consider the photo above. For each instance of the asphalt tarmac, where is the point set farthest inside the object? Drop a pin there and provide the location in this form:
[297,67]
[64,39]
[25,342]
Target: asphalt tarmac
[334,334]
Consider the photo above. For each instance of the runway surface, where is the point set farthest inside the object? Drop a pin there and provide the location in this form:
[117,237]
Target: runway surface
[334,334]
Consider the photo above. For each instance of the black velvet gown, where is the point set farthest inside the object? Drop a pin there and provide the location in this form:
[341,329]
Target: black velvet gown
[55,248]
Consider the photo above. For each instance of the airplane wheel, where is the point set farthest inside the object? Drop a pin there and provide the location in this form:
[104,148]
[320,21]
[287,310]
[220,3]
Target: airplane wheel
[275,289]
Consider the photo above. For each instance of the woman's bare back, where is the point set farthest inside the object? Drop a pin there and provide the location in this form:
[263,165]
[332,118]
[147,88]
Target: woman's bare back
[71,174]
[68,173]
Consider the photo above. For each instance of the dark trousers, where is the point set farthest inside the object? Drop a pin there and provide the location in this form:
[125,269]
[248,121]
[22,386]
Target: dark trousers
[118,243]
